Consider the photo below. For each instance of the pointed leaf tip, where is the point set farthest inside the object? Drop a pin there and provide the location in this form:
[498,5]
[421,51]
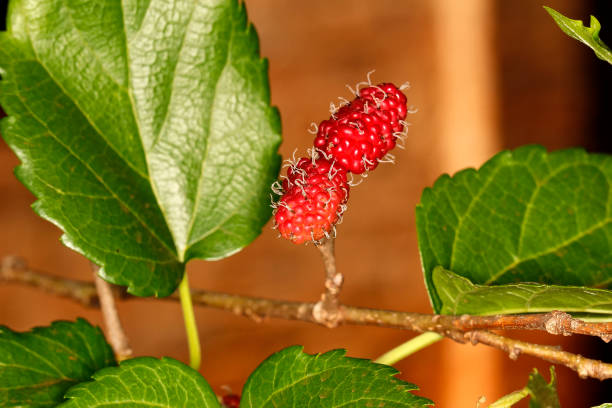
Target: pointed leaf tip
[586,35]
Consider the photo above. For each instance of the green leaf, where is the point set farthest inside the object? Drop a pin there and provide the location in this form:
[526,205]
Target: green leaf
[604,405]
[292,378]
[144,381]
[524,216]
[37,367]
[586,35]
[460,296]
[143,127]
[543,394]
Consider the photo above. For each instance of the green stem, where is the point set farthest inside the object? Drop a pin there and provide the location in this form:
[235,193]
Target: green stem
[509,400]
[195,354]
[410,347]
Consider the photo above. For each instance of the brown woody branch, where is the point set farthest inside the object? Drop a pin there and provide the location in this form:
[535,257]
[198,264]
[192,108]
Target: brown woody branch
[114,330]
[459,328]
[585,367]
[555,322]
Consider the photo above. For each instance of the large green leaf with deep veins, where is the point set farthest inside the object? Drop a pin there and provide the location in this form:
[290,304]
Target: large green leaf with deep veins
[144,382]
[143,127]
[524,216]
[586,35]
[37,367]
[460,296]
[292,378]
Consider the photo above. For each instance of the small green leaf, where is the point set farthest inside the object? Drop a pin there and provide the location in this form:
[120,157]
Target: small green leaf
[604,405]
[292,378]
[144,128]
[524,216]
[460,296]
[37,367]
[543,394]
[144,381]
[586,35]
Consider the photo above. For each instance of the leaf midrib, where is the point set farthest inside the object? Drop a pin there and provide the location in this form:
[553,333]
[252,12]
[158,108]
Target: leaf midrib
[206,152]
[548,251]
[600,47]
[188,242]
[174,67]
[590,32]
[125,89]
[457,298]
[529,205]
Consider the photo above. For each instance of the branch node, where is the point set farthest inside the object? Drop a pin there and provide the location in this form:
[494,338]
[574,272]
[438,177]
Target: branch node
[471,337]
[514,353]
[328,316]
[559,323]
[582,369]
[10,263]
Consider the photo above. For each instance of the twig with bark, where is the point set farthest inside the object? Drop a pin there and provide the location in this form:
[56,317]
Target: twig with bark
[114,330]
[463,328]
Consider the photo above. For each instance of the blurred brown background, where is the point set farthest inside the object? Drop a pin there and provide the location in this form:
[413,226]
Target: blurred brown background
[485,75]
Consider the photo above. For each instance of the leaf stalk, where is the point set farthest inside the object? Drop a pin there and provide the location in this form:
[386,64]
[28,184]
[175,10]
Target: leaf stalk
[408,348]
[191,328]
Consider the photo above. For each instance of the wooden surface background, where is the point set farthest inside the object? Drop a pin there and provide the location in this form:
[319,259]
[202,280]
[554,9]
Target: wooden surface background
[485,75]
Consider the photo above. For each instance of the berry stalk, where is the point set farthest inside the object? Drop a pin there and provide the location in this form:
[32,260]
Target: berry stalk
[327,310]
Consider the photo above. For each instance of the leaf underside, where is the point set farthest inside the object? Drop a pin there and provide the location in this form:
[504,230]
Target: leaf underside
[586,35]
[144,128]
[38,366]
[460,296]
[144,381]
[292,378]
[524,216]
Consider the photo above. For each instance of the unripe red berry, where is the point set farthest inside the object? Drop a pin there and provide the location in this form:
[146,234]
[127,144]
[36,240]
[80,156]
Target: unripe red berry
[314,194]
[231,401]
[361,133]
